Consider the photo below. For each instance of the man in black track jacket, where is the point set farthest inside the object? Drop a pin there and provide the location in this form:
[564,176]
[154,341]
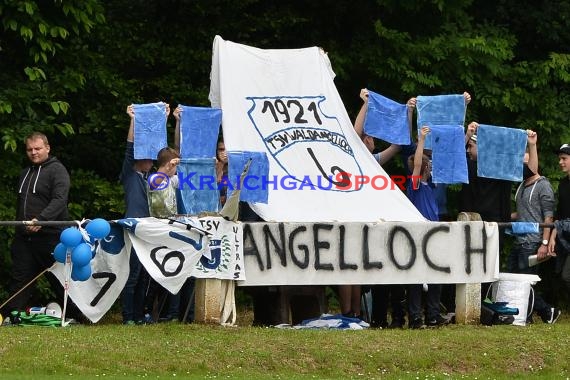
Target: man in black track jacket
[42,195]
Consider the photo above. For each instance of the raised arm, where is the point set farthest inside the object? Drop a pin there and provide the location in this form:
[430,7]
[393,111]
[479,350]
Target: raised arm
[418,157]
[359,122]
[532,151]
[411,104]
[131,133]
[177,112]
[388,153]
[471,130]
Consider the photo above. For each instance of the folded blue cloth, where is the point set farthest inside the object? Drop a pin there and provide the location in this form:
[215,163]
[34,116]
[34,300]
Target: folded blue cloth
[387,120]
[199,129]
[336,321]
[500,152]
[501,307]
[197,188]
[440,110]
[521,228]
[449,162]
[255,187]
[150,130]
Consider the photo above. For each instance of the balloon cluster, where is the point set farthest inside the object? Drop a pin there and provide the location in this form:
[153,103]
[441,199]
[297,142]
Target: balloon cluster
[72,239]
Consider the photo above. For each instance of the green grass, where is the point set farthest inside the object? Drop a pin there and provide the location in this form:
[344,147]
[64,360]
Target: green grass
[173,350]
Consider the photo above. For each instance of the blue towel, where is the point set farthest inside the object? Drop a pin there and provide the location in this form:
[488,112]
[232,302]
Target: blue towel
[449,162]
[150,130]
[387,120]
[199,128]
[440,110]
[500,152]
[521,228]
[501,307]
[255,187]
[198,190]
[337,321]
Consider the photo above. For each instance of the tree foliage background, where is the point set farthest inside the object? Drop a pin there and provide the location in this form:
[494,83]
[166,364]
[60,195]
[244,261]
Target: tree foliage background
[69,68]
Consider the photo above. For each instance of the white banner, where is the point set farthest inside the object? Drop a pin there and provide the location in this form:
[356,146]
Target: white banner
[109,267]
[226,251]
[169,252]
[284,103]
[370,253]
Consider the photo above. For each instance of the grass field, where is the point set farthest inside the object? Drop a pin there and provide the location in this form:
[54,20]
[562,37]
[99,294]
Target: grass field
[173,350]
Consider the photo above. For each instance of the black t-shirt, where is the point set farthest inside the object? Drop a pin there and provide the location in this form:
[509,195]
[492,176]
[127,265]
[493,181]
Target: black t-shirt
[489,197]
[563,209]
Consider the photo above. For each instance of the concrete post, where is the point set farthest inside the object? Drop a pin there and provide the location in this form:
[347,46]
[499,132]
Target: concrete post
[208,300]
[468,296]
[468,304]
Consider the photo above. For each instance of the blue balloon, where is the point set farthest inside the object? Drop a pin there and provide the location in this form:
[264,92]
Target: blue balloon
[60,252]
[71,237]
[81,273]
[98,228]
[81,255]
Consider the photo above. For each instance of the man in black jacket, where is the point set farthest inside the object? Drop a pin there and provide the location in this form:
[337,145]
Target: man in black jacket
[42,195]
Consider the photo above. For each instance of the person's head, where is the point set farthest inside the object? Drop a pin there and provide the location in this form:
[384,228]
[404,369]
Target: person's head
[165,155]
[425,171]
[143,165]
[472,148]
[37,148]
[221,153]
[368,142]
[165,158]
[564,158]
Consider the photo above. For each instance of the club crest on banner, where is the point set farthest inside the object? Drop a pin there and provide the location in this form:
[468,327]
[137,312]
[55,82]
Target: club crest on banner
[224,257]
[114,242]
[215,253]
[295,126]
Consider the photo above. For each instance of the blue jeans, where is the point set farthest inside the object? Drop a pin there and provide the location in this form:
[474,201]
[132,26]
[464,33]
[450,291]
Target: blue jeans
[133,295]
[518,263]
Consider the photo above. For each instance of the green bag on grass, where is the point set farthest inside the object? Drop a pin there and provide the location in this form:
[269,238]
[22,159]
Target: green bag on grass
[22,318]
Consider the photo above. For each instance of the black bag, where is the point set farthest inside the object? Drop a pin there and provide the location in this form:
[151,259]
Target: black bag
[490,317]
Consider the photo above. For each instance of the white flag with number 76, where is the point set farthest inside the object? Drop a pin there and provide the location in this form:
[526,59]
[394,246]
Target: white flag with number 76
[169,252]
[109,274]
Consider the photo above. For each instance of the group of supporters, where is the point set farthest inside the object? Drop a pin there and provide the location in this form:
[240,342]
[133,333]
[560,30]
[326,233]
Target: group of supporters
[44,185]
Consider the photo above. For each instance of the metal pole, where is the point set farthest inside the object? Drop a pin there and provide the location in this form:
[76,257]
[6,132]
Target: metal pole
[509,224]
[38,223]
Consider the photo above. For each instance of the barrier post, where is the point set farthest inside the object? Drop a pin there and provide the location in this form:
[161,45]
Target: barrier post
[468,304]
[208,300]
[468,296]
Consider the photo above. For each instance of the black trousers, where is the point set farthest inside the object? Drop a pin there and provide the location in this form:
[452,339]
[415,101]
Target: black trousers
[30,256]
[383,297]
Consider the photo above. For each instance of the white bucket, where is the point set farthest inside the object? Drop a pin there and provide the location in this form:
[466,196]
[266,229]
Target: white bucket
[515,289]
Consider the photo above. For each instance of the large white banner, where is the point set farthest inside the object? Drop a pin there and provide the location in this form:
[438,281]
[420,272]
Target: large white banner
[169,252]
[370,253]
[285,103]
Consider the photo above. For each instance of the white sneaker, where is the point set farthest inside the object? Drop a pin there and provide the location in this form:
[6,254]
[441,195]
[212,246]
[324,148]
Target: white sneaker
[554,315]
